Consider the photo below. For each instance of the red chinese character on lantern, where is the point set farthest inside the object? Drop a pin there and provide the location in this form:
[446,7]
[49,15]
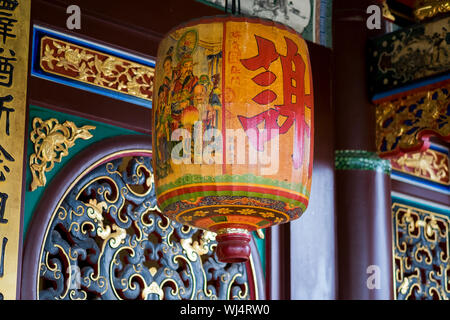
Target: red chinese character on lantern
[295,99]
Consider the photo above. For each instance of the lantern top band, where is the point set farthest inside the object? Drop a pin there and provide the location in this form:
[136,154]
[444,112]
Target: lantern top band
[232,18]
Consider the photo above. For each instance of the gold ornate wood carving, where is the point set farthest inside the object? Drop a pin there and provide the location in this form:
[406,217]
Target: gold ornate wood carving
[430,164]
[430,8]
[406,56]
[387,12]
[421,254]
[95,68]
[404,125]
[52,141]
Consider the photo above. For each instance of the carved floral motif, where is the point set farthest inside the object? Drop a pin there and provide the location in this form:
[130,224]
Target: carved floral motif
[71,61]
[52,141]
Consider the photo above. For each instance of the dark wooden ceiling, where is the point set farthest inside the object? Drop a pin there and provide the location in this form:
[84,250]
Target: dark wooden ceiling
[137,25]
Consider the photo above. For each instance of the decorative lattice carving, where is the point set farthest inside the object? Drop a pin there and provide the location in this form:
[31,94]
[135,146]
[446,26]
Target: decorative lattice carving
[107,241]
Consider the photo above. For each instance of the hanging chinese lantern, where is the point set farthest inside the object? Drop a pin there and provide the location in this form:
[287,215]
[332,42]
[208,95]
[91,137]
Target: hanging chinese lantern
[233,128]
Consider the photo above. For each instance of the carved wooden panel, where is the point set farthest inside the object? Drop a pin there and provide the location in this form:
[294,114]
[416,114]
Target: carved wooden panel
[107,240]
[421,253]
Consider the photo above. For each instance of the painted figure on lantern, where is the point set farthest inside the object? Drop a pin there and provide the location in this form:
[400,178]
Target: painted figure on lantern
[182,93]
[201,97]
[164,119]
[189,93]
[214,109]
[163,133]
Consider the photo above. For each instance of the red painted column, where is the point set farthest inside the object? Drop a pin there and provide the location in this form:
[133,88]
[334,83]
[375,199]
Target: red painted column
[364,227]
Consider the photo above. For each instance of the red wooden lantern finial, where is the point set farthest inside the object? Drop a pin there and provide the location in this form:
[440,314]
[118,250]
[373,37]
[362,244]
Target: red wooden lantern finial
[233,246]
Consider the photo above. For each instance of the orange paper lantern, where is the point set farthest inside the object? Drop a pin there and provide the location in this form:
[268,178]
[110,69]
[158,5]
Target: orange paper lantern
[233,128]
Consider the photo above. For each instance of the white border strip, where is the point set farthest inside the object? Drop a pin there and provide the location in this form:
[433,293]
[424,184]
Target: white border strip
[439,148]
[418,184]
[420,201]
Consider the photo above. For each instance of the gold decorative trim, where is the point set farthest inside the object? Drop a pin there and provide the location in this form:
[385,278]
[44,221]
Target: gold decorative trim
[387,12]
[431,165]
[232,231]
[430,8]
[52,141]
[82,64]
[255,280]
[401,124]
[260,234]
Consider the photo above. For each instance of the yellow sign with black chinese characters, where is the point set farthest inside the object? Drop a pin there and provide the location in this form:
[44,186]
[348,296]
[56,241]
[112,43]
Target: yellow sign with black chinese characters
[14,37]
